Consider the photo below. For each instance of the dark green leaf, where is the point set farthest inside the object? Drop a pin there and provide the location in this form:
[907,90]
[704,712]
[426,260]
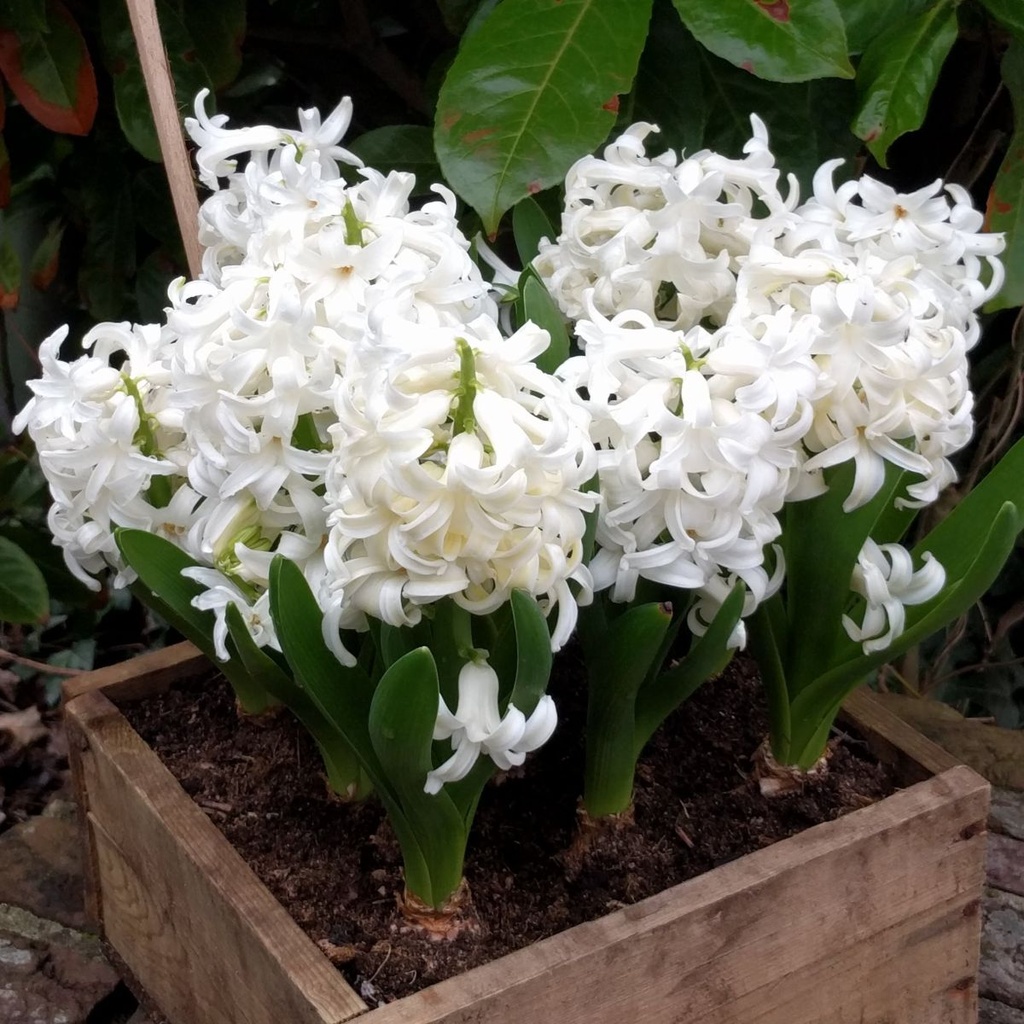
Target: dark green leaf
[218,30]
[37,543]
[779,40]
[402,147]
[865,19]
[122,59]
[897,74]
[529,225]
[701,101]
[456,14]
[108,259]
[25,16]
[541,309]
[50,72]
[46,257]
[1006,199]
[23,594]
[1009,12]
[532,90]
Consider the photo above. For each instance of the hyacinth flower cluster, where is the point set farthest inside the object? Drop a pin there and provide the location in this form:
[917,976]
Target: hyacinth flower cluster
[776,388]
[333,471]
[384,492]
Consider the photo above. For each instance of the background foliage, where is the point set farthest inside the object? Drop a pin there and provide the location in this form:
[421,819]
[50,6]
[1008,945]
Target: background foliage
[497,99]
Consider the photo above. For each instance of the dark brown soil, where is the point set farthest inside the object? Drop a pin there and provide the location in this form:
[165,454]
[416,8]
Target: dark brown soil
[337,868]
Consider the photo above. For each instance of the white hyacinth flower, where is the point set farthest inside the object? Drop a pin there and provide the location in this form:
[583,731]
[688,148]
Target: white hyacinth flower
[477,727]
[885,578]
[220,594]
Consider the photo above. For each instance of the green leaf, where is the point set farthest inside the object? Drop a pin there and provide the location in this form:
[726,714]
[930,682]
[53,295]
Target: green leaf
[37,543]
[618,660]
[456,14]
[50,72]
[1008,12]
[122,59]
[538,306]
[699,100]
[954,540]
[25,16]
[865,19]
[530,92]
[897,75]
[218,30]
[45,259]
[1006,199]
[344,772]
[401,724]
[533,653]
[402,147]
[779,40]
[108,259]
[820,701]
[342,695]
[707,656]
[529,225]
[817,588]
[23,595]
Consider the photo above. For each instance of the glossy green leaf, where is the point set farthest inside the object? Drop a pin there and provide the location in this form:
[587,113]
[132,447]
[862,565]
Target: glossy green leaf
[538,306]
[50,72]
[708,655]
[537,86]
[218,30]
[122,60]
[700,101]
[402,147]
[108,259]
[778,40]
[23,594]
[865,19]
[1008,12]
[529,225]
[401,725]
[897,74]
[1005,210]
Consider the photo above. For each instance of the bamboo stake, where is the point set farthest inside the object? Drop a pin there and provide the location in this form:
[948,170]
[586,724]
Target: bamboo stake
[160,86]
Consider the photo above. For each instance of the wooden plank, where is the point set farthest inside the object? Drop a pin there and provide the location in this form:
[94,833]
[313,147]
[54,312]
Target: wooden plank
[182,908]
[891,740]
[139,677]
[160,86]
[718,939]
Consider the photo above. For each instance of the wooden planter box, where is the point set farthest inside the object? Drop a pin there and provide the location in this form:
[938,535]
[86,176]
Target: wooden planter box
[871,919]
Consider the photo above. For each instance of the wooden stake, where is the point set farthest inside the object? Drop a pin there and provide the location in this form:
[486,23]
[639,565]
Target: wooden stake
[160,87]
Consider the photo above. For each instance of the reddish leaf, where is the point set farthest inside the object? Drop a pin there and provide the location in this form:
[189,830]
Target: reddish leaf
[10,273]
[5,175]
[46,258]
[51,73]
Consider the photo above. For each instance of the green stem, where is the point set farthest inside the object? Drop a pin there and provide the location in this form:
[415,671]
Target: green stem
[464,421]
[353,225]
